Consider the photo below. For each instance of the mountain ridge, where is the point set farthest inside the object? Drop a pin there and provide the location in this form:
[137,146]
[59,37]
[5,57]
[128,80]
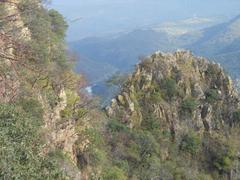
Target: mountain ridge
[126,48]
[185,109]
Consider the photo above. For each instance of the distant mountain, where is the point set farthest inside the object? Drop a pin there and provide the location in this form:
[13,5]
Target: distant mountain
[177,28]
[218,39]
[95,71]
[121,52]
[220,43]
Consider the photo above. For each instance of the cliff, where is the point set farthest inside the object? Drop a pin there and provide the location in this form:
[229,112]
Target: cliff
[181,91]
[176,117]
[36,82]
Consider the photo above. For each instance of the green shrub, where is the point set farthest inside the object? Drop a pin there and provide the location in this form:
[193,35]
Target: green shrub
[58,24]
[189,105]
[31,106]
[212,96]
[147,143]
[190,143]
[221,154]
[212,70]
[133,152]
[21,146]
[122,164]
[114,173]
[95,152]
[156,97]
[223,159]
[169,86]
[151,123]
[204,177]
[94,136]
[236,116]
[116,126]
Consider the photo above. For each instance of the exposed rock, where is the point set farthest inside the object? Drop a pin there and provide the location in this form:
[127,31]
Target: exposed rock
[198,82]
[9,85]
[206,115]
[60,135]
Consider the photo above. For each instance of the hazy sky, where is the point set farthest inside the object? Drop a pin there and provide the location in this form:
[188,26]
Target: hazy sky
[98,17]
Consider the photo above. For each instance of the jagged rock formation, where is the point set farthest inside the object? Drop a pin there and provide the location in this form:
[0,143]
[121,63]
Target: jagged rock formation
[181,91]
[61,135]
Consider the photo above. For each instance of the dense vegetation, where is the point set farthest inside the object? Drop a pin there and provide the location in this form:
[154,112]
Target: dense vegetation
[156,131]
[40,102]
[34,64]
[21,145]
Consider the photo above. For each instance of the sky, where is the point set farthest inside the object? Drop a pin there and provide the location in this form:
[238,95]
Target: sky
[91,18]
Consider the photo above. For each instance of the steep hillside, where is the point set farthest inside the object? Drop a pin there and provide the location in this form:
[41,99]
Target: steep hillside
[186,110]
[175,80]
[40,103]
[177,116]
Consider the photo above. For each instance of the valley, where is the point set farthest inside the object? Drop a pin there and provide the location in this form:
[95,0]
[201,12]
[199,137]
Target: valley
[120,52]
[154,102]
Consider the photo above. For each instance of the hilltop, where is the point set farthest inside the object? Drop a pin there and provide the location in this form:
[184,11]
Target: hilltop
[186,110]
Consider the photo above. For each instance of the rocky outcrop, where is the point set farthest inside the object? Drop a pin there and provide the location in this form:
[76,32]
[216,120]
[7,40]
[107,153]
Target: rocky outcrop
[180,91]
[22,75]
[58,134]
[12,32]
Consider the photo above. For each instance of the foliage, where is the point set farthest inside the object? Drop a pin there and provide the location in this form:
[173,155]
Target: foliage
[122,164]
[21,145]
[114,173]
[31,106]
[222,155]
[189,105]
[40,66]
[236,116]
[151,123]
[190,143]
[72,99]
[156,97]
[94,136]
[112,152]
[58,25]
[212,96]
[95,153]
[169,87]
[115,126]
[212,70]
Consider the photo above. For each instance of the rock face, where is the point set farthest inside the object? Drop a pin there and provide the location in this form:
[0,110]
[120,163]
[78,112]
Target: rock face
[12,31]
[61,135]
[180,91]
[15,35]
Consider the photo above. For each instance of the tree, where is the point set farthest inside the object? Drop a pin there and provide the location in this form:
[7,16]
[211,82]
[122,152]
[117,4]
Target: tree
[169,86]
[21,146]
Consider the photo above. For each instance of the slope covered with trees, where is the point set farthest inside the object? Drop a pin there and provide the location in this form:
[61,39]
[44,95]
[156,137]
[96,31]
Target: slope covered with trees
[177,116]
[37,84]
